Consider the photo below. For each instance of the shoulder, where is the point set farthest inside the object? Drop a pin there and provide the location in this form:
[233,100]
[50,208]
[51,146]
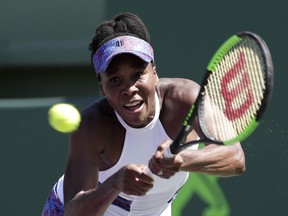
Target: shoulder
[178,90]
[176,95]
[97,120]
[98,111]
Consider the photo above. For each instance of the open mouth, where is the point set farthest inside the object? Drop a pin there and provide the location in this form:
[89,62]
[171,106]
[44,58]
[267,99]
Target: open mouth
[134,105]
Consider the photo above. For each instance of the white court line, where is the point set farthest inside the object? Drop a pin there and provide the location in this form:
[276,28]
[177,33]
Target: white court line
[29,102]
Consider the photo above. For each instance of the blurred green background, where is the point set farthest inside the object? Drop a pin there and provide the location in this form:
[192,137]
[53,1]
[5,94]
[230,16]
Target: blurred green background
[44,59]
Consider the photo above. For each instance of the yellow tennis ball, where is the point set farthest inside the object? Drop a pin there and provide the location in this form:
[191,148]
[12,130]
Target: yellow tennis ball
[64,118]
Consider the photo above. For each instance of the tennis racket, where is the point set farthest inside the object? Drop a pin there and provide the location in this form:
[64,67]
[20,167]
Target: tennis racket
[234,93]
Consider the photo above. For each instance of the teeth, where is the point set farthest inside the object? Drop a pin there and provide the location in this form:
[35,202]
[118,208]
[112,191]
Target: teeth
[133,104]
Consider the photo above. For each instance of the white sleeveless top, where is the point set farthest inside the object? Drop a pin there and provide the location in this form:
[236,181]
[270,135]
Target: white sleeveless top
[139,146]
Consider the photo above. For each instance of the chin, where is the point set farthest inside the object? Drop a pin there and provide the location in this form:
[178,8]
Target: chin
[136,124]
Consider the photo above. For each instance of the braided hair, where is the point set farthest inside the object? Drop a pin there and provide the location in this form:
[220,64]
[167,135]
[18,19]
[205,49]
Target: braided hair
[122,24]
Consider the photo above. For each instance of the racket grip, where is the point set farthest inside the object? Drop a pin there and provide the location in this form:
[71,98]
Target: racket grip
[168,153]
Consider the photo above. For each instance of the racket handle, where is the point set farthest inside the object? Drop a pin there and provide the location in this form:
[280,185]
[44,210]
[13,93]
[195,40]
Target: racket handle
[168,153]
[176,144]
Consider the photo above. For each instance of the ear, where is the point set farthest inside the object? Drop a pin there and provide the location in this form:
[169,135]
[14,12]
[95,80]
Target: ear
[101,91]
[155,74]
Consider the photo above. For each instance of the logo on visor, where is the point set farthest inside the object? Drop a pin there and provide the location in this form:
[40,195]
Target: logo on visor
[119,43]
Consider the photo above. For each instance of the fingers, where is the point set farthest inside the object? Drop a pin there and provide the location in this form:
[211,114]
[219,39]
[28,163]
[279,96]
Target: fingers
[162,166]
[131,180]
[161,149]
[140,188]
[166,174]
[158,169]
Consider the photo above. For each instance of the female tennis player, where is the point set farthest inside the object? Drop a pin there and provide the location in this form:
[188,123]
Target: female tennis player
[129,129]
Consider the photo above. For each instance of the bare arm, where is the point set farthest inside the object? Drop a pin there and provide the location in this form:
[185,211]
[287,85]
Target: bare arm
[212,159]
[82,193]
[130,180]
[94,201]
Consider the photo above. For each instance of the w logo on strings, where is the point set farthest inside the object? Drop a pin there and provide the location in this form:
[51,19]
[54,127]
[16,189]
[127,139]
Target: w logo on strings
[232,88]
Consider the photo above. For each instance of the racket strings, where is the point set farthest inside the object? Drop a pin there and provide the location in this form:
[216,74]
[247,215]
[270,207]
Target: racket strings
[234,91]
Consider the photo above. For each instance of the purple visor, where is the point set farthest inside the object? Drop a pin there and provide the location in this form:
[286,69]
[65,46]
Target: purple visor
[120,45]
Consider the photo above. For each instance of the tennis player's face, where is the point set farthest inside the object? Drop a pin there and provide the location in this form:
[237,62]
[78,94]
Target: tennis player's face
[129,85]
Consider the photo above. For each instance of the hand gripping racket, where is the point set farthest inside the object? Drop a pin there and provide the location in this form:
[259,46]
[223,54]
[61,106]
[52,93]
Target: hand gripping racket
[234,93]
[233,96]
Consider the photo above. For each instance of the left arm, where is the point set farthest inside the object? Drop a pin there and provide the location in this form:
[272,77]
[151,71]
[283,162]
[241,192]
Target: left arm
[220,160]
[213,159]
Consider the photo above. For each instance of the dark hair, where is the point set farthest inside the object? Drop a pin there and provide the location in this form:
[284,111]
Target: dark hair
[122,24]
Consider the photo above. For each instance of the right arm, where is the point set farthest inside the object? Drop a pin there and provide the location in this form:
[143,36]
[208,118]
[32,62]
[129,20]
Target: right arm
[82,194]
[81,191]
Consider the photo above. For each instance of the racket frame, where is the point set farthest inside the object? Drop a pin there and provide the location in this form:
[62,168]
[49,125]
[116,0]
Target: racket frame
[177,144]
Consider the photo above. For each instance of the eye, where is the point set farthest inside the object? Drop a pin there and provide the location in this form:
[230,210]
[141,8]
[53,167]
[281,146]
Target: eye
[114,80]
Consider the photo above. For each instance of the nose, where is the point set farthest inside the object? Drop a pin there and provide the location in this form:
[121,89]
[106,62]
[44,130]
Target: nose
[130,88]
